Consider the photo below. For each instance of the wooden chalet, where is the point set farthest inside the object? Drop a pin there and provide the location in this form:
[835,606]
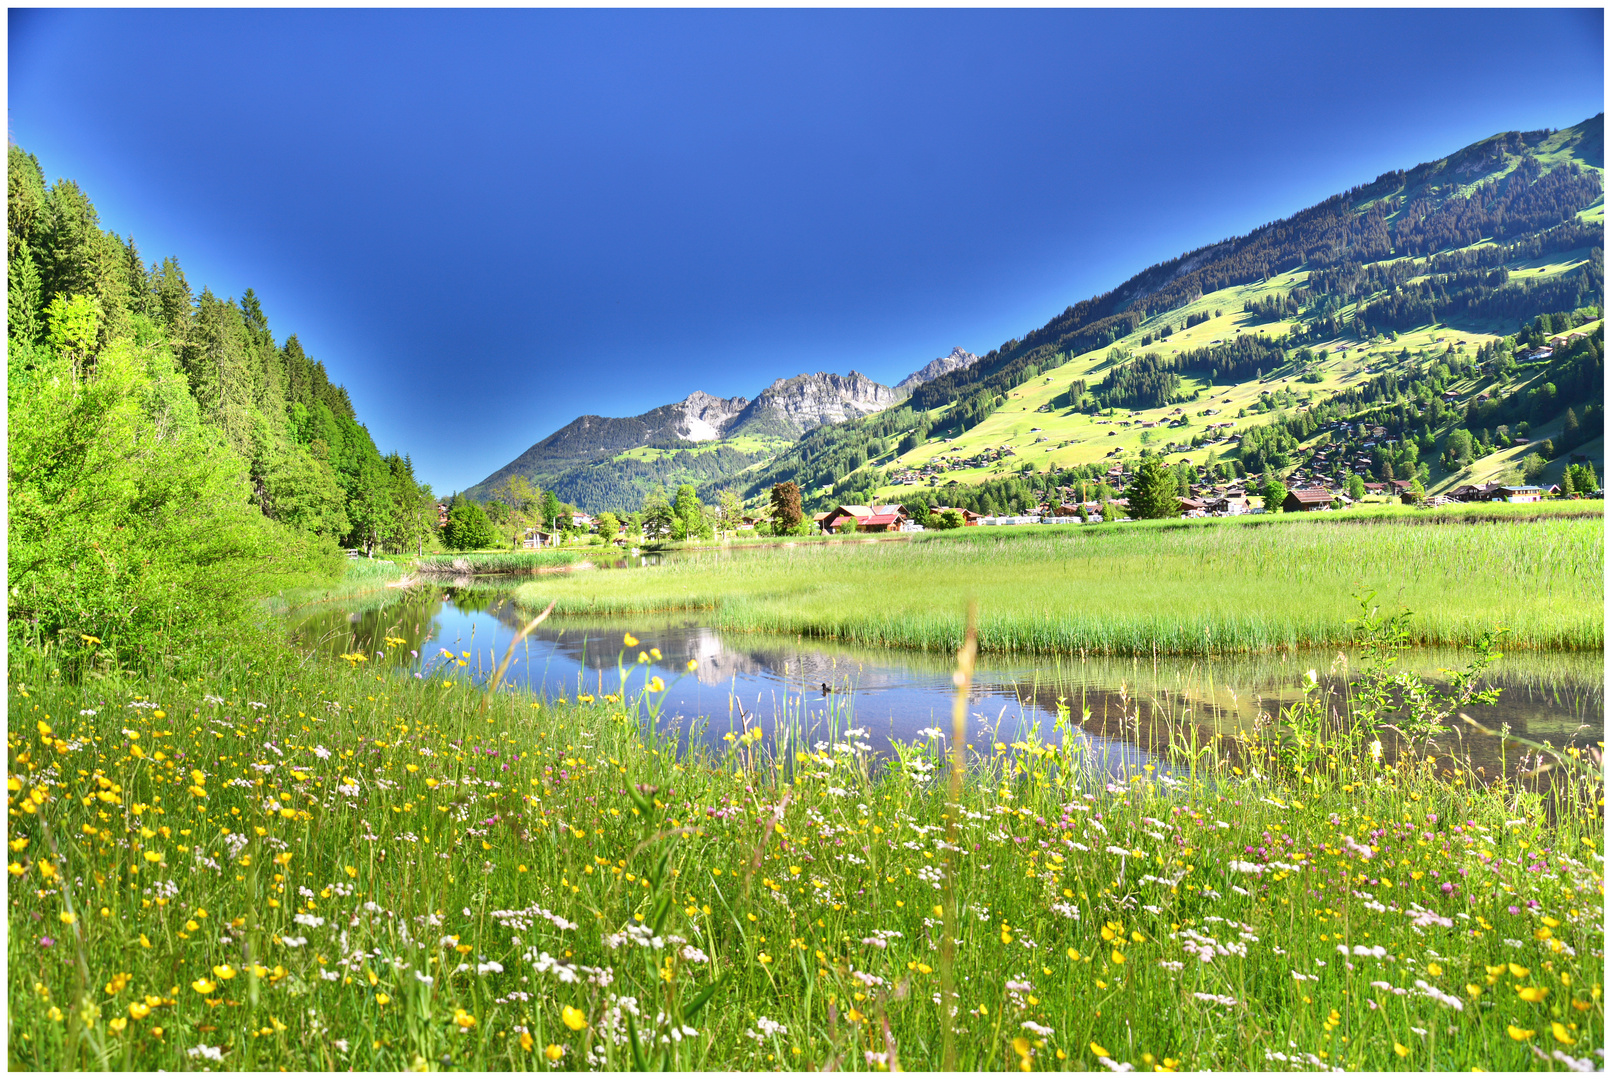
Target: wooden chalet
[1474,492]
[884,518]
[1302,500]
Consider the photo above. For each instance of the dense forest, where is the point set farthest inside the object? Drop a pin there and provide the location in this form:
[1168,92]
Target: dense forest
[154,428]
[623,483]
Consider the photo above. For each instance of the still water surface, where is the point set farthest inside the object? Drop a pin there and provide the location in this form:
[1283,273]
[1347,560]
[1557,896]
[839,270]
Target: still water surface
[741,680]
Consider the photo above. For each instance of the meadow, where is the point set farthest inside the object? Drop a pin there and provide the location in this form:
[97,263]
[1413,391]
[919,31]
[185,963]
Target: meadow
[312,866]
[1145,588]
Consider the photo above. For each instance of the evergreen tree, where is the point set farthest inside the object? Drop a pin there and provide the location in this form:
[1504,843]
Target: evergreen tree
[140,297]
[174,304]
[23,298]
[25,200]
[78,259]
[220,370]
[1152,494]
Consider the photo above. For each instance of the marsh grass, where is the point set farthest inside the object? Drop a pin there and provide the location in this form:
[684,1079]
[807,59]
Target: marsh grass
[356,578]
[305,864]
[509,562]
[1139,590]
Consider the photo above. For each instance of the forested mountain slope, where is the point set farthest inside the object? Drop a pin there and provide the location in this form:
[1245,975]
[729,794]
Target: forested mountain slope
[1484,240]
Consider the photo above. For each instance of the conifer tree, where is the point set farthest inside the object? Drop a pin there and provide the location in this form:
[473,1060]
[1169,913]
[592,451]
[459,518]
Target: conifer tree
[1152,494]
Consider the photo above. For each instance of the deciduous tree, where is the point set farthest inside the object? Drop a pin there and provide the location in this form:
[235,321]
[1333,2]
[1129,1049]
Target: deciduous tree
[786,511]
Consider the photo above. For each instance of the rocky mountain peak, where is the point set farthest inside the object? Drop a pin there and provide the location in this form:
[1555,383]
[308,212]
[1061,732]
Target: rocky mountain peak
[792,407]
[959,357]
[704,417]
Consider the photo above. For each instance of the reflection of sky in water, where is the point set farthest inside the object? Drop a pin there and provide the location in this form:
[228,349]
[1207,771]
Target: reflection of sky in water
[767,686]
[771,681]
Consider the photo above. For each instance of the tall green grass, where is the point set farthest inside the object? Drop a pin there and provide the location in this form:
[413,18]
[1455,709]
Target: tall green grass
[357,577]
[1178,588]
[310,866]
[510,562]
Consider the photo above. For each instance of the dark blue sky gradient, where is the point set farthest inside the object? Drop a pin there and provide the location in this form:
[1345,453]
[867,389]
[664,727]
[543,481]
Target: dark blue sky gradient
[486,223]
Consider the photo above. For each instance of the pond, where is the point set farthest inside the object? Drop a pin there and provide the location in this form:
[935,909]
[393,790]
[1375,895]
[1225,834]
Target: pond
[1122,708]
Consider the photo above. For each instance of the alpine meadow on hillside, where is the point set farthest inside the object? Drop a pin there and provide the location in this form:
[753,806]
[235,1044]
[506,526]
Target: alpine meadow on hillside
[1206,679]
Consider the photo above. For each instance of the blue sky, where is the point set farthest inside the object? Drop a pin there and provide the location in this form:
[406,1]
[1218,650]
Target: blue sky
[487,223]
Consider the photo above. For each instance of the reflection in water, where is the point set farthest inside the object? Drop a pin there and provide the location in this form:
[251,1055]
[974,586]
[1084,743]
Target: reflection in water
[1121,704]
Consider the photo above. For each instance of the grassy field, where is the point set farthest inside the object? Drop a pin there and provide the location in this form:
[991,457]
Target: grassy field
[744,444]
[1170,587]
[314,867]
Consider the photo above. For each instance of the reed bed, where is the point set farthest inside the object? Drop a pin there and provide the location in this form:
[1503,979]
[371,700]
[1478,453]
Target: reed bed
[306,866]
[510,562]
[1140,590]
[358,578]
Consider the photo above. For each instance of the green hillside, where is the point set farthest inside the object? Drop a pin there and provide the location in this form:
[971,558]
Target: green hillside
[1438,275]
[1404,303]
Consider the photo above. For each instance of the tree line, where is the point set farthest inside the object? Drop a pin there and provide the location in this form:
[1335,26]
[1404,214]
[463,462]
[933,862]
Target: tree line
[75,288]
[171,461]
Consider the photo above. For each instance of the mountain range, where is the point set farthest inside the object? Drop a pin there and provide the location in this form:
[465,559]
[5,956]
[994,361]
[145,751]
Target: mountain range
[1483,242]
[783,412]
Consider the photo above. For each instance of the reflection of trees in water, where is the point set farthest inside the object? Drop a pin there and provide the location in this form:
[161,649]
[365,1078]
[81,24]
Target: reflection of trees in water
[337,629]
[719,657]
[1561,684]
[1553,698]
[1153,719]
